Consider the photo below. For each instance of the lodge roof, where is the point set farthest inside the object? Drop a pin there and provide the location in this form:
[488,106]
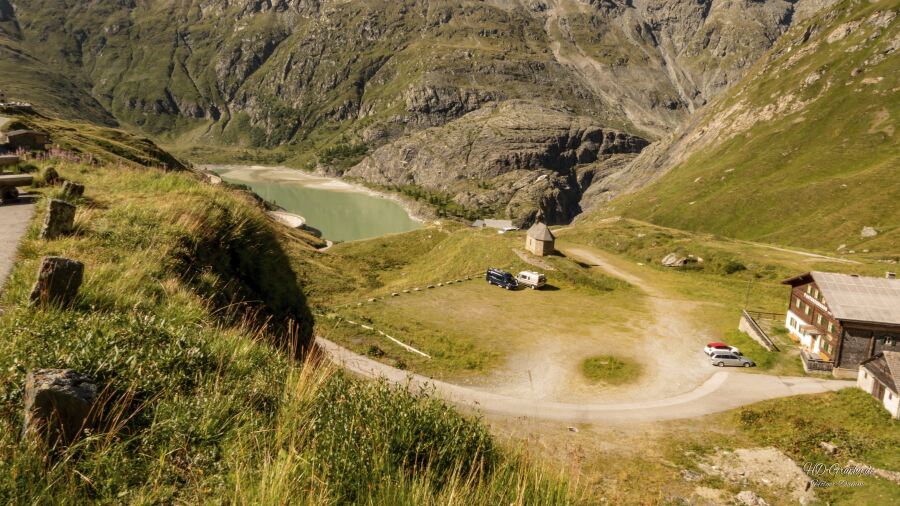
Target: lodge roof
[540,232]
[856,298]
[885,366]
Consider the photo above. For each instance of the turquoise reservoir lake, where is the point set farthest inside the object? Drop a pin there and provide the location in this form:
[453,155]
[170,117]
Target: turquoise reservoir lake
[341,211]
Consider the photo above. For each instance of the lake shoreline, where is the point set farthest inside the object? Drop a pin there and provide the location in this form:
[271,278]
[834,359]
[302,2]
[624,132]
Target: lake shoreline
[414,209]
[259,179]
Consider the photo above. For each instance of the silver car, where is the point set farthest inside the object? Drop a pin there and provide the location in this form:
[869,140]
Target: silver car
[723,359]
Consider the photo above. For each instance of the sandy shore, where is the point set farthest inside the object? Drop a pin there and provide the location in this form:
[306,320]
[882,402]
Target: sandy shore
[288,175]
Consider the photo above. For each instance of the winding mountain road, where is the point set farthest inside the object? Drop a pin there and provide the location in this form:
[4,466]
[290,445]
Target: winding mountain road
[723,391]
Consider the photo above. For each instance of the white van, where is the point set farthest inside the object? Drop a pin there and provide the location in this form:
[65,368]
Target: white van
[531,279]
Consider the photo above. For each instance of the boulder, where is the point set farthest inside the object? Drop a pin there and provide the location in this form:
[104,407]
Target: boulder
[9,195]
[828,447]
[675,260]
[868,232]
[50,176]
[58,281]
[58,405]
[750,498]
[72,190]
[59,220]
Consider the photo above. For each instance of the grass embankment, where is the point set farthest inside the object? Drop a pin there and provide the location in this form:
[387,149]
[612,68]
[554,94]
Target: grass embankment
[664,462]
[201,402]
[94,143]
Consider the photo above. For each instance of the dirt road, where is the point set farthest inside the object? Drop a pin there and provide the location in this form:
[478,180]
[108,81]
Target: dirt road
[671,351]
[723,391]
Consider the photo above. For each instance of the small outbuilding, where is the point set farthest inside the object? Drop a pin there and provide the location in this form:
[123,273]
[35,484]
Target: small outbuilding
[540,240]
[26,139]
[880,377]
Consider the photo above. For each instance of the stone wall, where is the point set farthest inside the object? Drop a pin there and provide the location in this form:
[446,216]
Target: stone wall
[753,330]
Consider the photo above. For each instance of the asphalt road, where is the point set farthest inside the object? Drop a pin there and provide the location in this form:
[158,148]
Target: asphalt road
[14,220]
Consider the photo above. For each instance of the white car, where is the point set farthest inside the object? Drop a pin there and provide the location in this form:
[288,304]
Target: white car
[531,279]
[720,348]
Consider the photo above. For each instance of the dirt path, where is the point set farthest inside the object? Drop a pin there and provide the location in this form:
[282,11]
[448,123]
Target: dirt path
[671,351]
[723,391]
[801,253]
[3,121]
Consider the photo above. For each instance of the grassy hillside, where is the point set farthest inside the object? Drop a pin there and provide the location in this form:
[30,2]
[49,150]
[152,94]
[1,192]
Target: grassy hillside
[803,151]
[94,143]
[202,399]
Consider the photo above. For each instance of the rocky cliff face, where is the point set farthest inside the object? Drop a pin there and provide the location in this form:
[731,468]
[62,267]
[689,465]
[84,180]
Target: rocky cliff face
[516,159]
[311,73]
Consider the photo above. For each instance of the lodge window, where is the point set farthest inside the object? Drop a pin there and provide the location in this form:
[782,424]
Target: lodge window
[792,323]
[830,327]
[809,289]
[797,303]
[819,318]
[807,309]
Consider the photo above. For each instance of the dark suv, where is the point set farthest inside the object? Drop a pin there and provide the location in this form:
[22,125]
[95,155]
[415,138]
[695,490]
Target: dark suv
[502,279]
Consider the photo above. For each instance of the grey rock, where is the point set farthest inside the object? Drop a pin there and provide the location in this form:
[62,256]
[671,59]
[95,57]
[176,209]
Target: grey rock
[59,405]
[689,475]
[59,220]
[828,447]
[58,281]
[868,232]
[9,195]
[675,260]
[51,176]
[72,190]
[750,498]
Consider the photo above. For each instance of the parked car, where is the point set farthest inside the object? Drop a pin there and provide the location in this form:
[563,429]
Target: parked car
[721,359]
[531,279]
[718,347]
[501,278]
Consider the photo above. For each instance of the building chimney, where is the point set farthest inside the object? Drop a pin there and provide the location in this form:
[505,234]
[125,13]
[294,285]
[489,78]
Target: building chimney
[890,275]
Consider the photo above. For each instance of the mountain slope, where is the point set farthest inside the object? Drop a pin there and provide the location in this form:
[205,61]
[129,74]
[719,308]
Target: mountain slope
[301,71]
[802,151]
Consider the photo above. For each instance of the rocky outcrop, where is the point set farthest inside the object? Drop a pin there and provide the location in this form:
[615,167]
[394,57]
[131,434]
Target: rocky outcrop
[515,159]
